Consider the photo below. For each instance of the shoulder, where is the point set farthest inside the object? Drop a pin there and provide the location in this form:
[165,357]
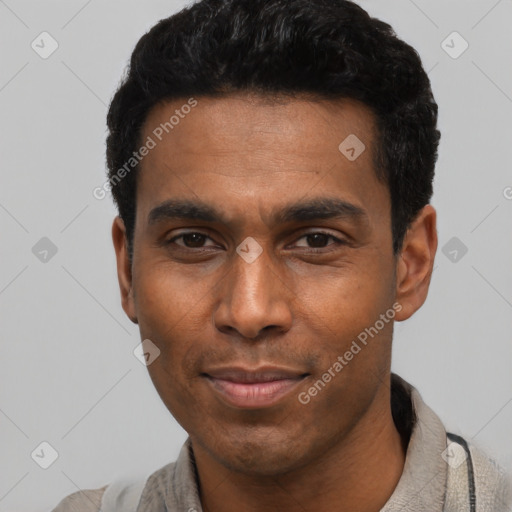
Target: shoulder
[492,484]
[87,500]
[171,486]
[121,494]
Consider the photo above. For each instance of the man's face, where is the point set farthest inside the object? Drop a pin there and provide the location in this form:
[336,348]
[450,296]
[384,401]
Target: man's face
[207,308]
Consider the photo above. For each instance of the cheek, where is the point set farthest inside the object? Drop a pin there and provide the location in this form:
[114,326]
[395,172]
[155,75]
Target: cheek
[174,377]
[176,395]
[167,301]
[343,312]
[164,318]
[172,313]
[346,300]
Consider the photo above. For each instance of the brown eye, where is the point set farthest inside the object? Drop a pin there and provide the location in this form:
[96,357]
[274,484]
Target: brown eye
[192,240]
[319,240]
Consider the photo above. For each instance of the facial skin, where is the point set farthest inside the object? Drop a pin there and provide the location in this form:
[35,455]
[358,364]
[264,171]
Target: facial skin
[205,307]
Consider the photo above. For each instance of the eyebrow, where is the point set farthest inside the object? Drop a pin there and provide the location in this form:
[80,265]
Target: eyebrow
[320,208]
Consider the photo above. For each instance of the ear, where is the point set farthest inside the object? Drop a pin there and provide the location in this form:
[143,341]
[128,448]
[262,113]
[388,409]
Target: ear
[124,269]
[415,263]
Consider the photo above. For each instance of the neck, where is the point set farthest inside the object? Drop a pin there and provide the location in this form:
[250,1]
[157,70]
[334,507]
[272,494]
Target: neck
[359,473]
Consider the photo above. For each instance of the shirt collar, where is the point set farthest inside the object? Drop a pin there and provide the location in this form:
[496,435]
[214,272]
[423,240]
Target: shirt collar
[422,485]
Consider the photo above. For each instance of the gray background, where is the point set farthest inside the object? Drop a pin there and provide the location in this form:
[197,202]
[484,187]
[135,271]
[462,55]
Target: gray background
[68,373]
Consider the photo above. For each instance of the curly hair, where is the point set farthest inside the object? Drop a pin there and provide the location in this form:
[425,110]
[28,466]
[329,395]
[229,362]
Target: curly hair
[328,49]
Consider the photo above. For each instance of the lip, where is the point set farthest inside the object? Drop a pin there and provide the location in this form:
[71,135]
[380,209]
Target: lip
[253,388]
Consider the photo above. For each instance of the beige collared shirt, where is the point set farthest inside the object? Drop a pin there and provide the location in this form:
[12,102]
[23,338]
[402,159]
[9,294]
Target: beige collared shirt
[436,478]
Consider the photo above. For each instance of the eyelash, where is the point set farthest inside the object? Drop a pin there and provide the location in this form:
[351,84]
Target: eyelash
[310,250]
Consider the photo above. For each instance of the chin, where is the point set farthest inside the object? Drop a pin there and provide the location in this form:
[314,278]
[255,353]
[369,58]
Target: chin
[260,456]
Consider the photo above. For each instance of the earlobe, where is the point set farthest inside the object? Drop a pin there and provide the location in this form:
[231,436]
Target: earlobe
[415,263]
[124,270]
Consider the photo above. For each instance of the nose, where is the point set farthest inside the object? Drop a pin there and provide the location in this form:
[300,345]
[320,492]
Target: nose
[253,297]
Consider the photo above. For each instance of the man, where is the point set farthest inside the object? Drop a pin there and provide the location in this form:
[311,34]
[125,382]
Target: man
[272,162]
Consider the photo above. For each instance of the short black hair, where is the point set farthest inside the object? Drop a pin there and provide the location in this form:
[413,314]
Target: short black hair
[328,49]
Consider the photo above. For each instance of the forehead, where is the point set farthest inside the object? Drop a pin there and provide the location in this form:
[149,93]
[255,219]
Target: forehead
[254,119]
[251,153]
